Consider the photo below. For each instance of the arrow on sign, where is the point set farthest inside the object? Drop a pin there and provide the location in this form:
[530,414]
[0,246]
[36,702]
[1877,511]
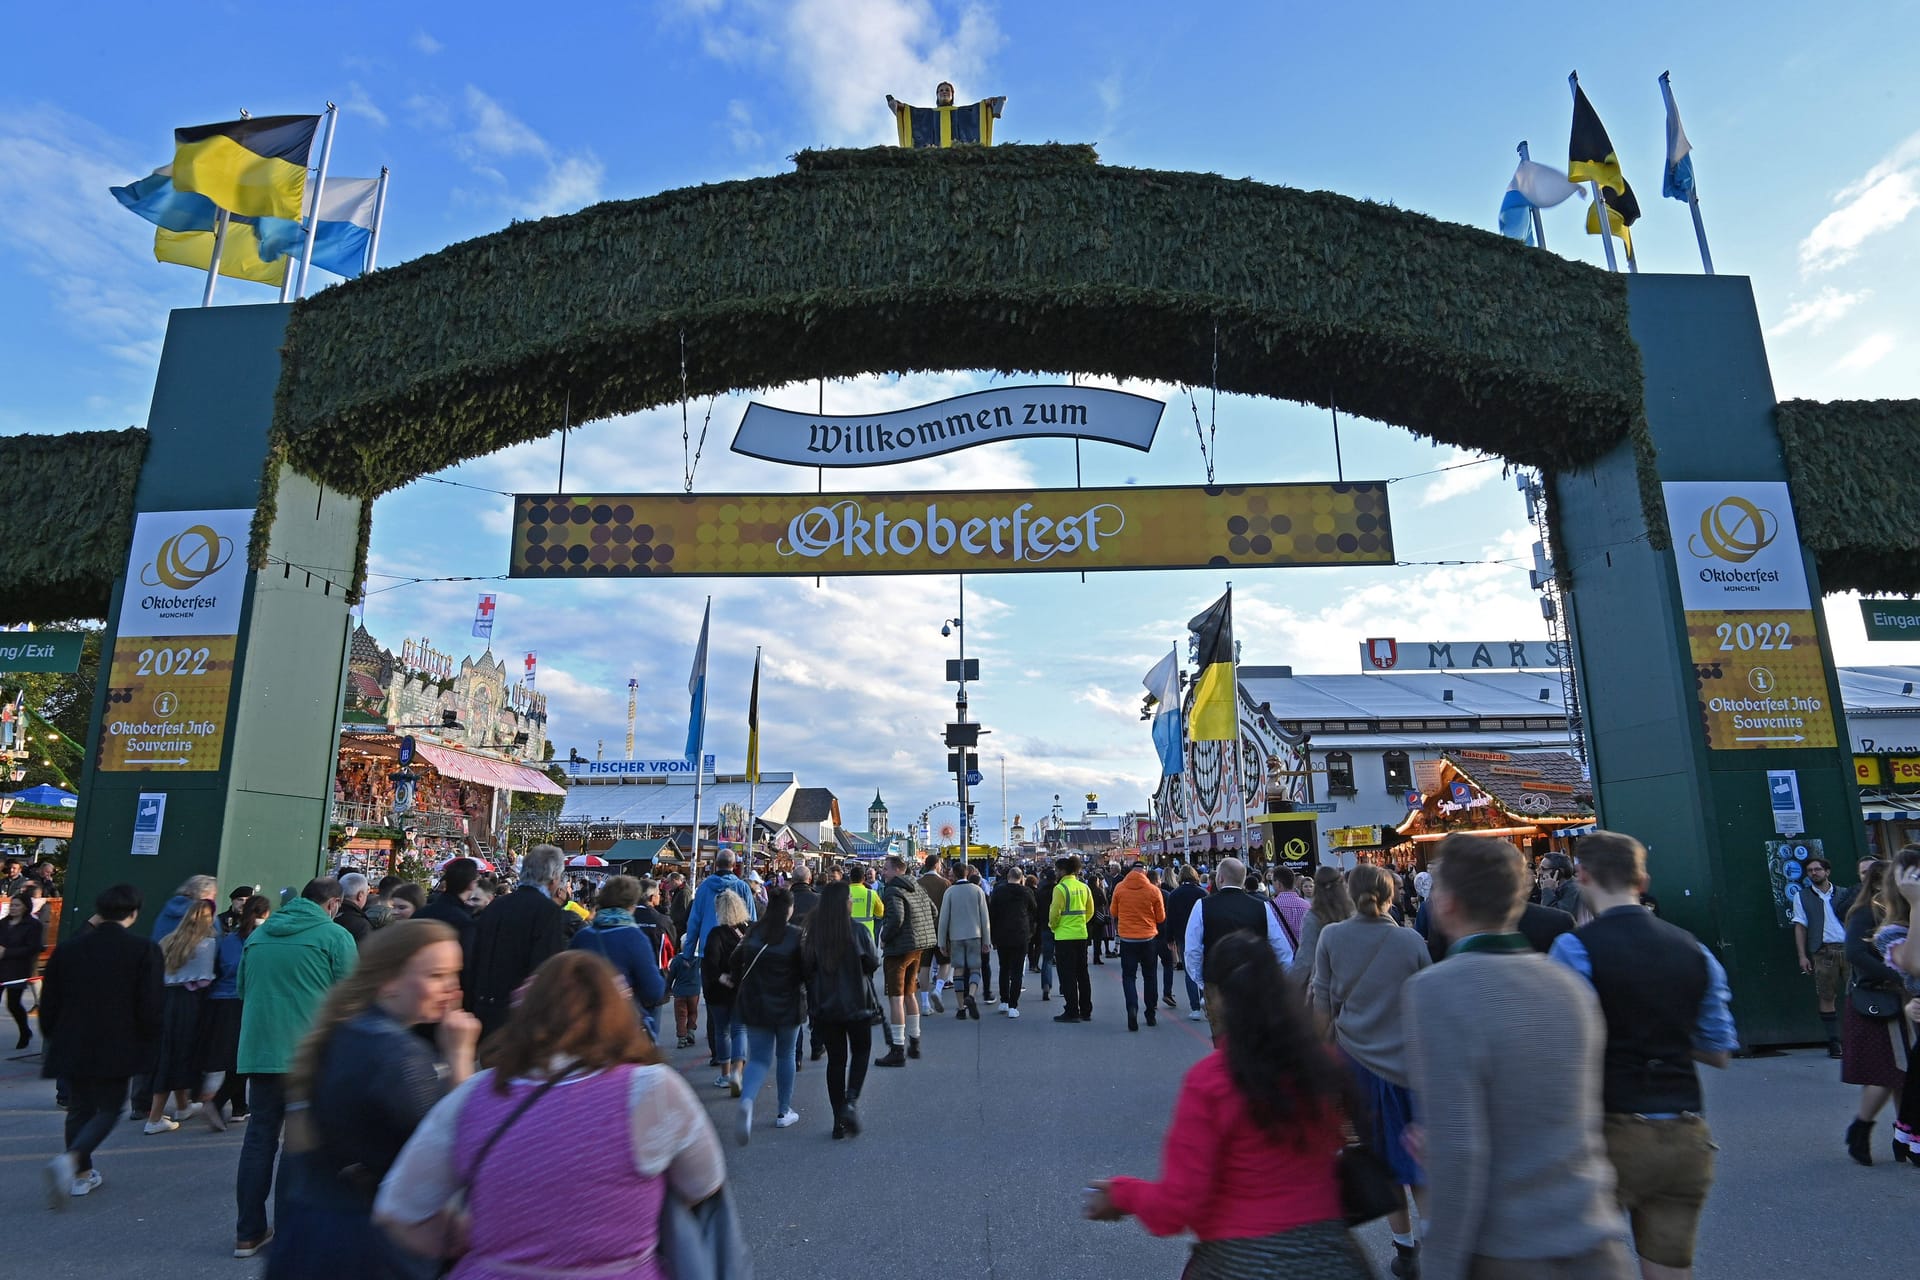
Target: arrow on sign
[181,760]
[1798,737]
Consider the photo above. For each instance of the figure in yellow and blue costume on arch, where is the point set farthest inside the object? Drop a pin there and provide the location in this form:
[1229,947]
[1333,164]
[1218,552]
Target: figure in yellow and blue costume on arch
[945,125]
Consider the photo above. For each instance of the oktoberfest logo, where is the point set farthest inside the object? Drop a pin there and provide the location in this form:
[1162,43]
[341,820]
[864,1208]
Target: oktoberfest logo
[187,559]
[1734,530]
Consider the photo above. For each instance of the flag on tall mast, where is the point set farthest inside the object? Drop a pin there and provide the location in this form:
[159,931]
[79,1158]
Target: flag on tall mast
[1676,183]
[1592,159]
[697,691]
[1214,717]
[753,724]
[1163,686]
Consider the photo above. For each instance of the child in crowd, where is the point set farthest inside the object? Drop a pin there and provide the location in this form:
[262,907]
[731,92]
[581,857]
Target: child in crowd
[683,984]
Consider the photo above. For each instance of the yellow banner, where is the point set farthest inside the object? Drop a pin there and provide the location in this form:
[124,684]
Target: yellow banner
[167,704]
[1761,683]
[983,531]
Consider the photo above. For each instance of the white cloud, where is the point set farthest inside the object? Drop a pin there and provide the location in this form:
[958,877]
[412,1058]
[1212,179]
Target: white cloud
[1820,312]
[1872,351]
[358,103]
[841,60]
[1880,201]
[1107,702]
[1470,471]
[495,136]
[425,43]
[740,126]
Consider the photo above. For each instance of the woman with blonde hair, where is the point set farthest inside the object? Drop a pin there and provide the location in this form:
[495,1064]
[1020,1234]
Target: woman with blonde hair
[185,1029]
[1330,903]
[362,1082]
[726,1032]
[574,1095]
[1359,968]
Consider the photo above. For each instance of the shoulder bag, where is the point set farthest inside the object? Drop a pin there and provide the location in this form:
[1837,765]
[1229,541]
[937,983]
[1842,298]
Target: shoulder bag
[457,1202]
[702,1241]
[1368,1187]
[1876,1003]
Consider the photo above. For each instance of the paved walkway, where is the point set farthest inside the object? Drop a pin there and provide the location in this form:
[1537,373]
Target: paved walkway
[972,1164]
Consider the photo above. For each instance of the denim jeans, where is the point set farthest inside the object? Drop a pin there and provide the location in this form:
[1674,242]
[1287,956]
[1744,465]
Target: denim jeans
[770,1049]
[93,1110]
[1135,956]
[1046,960]
[1193,992]
[725,1034]
[267,1101]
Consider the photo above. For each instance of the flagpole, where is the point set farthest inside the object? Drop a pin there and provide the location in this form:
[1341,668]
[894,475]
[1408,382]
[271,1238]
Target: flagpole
[286,276]
[700,757]
[319,190]
[753,774]
[1693,196]
[1539,227]
[213,263]
[1599,196]
[379,215]
[1239,778]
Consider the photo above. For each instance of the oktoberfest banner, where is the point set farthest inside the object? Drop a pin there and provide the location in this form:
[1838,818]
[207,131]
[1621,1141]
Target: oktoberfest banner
[924,431]
[982,531]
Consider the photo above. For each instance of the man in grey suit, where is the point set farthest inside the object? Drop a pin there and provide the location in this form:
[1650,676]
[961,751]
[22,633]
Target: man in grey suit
[1522,1189]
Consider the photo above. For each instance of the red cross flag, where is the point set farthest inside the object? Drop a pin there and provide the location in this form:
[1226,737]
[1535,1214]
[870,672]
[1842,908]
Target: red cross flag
[532,662]
[483,618]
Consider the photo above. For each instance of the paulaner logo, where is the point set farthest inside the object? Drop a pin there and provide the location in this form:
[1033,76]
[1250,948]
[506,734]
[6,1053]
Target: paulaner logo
[188,558]
[1734,530]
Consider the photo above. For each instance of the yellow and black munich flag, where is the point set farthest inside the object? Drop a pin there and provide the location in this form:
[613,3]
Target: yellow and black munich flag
[1214,716]
[255,168]
[1591,158]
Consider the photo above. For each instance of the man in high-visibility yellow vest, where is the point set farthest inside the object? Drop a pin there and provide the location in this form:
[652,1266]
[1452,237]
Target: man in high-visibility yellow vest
[1069,916]
[867,909]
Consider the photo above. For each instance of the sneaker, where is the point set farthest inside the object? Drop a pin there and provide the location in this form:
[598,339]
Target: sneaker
[1196,1016]
[937,1006]
[850,1117]
[215,1120]
[187,1112]
[1406,1262]
[743,1126]
[162,1125]
[1169,1002]
[961,1014]
[787,1119]
[1065,1017]
[1045,994]
[733,1086]
[1150,1017]
[247,1248]
[973,1009]
[1013,1013]
[723,1081]
[62,1172]
[86,1183]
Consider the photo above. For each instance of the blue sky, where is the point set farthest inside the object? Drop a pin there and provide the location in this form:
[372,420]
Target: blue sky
[1807,149]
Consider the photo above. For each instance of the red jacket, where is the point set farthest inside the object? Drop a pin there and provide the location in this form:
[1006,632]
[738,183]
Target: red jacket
[1222,1177]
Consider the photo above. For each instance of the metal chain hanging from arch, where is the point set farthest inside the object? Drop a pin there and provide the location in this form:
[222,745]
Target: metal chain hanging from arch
[689,452]
[1207,437]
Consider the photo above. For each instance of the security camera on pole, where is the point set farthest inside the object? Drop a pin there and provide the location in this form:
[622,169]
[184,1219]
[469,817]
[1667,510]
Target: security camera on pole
[963,762]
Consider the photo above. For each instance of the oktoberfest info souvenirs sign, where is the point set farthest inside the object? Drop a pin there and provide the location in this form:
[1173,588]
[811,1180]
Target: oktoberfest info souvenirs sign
[1756,654]
[171,676]
[924,431]
[982,531]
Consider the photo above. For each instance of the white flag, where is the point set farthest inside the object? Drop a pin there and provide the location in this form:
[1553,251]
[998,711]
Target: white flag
[1541,185]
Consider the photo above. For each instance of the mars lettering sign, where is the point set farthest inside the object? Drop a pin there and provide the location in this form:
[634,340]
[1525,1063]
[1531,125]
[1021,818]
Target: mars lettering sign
[1387,654]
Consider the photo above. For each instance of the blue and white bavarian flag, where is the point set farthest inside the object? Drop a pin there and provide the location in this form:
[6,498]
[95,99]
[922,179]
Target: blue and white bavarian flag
[697,690]
[1534,186]
[1163,683]
[1678,182]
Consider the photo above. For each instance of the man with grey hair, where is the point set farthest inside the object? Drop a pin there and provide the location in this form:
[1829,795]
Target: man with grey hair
[515,935]
[1230,909]
[354,890]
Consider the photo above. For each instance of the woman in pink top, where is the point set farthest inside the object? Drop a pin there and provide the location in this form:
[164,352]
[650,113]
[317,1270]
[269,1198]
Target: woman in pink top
[1248,1166]
[574,1098]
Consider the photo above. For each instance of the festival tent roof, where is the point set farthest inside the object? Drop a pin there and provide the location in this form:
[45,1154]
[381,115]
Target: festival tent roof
[665,803]
[498,774]
[640,850]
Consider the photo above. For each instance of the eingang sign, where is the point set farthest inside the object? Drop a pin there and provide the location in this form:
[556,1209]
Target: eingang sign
[924,431]
[981,531]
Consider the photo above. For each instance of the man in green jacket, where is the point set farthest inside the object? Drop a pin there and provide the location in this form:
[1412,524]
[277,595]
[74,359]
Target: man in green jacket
[290,963]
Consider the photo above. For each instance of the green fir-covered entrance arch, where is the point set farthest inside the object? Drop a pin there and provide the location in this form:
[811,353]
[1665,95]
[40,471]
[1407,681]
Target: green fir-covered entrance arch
[1014,259]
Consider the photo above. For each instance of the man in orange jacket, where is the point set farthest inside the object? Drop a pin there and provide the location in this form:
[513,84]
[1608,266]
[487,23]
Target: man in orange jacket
[1138,910]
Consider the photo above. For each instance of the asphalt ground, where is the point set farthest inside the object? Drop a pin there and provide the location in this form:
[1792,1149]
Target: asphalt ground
[972,1164]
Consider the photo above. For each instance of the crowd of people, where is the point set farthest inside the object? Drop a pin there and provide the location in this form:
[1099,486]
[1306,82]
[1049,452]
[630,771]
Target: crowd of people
[384,1047]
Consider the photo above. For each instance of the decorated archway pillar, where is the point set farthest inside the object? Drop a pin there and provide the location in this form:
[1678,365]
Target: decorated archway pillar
[218,711]
[1704,661]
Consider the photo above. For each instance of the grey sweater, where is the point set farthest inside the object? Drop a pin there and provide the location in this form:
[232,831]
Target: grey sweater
[963,915]
[1514,1169]
[1359,968]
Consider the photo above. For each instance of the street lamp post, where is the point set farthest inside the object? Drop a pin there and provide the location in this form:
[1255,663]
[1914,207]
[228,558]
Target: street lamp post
[959,625]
